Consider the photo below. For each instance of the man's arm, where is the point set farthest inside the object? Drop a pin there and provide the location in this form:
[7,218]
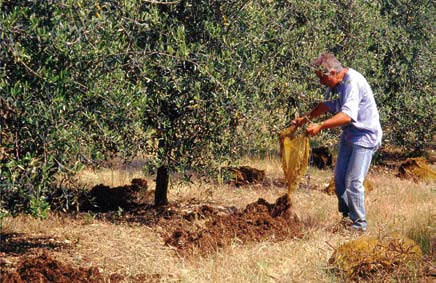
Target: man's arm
[319,110]
[337,120]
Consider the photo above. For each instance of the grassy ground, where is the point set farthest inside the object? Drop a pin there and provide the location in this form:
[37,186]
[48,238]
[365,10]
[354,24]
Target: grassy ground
[394,206]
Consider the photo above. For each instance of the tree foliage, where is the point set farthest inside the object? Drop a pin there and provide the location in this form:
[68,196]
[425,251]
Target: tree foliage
[192,84]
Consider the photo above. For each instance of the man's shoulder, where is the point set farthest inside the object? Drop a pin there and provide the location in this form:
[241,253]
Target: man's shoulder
[354,77]
[352,73]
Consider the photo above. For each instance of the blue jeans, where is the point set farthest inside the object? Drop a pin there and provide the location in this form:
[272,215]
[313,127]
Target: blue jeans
[351,169]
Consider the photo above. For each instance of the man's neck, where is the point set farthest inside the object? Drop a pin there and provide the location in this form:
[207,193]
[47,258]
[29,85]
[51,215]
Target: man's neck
[342,74]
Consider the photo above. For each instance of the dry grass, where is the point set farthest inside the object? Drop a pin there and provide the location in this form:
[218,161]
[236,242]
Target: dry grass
[394,205]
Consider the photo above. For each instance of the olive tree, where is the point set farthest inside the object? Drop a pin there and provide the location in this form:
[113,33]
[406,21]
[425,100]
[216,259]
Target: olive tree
[84,80]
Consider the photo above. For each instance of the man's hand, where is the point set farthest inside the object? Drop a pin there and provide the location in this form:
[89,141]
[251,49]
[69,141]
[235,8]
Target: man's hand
[313,129]
[298,122]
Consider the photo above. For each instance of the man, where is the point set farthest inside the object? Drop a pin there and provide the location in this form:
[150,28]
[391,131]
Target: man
[352,103]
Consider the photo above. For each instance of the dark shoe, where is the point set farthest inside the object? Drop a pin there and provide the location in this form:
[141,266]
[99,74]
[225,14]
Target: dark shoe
[357,229]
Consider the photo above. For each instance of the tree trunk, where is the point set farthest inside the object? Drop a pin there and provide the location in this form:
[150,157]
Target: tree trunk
[160,195]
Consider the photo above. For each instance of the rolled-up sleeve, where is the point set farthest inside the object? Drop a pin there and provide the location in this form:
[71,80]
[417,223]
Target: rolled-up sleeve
[350,101]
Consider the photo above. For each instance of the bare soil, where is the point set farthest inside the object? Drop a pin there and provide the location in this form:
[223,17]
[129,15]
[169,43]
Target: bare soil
[258,222]
[43,268]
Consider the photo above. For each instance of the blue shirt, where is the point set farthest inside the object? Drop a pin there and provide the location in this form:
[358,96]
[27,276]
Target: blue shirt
[354,97]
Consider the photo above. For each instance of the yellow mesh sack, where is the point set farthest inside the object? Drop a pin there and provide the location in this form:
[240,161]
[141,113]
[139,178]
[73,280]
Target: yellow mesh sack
[294,151]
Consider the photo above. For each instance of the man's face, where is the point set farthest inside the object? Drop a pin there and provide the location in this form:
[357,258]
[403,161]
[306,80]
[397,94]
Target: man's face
[327,78]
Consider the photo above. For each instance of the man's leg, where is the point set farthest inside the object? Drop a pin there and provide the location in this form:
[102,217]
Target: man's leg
[343,158]
[357,170]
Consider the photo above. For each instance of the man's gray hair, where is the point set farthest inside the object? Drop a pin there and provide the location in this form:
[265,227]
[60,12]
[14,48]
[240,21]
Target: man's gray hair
[328,62]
